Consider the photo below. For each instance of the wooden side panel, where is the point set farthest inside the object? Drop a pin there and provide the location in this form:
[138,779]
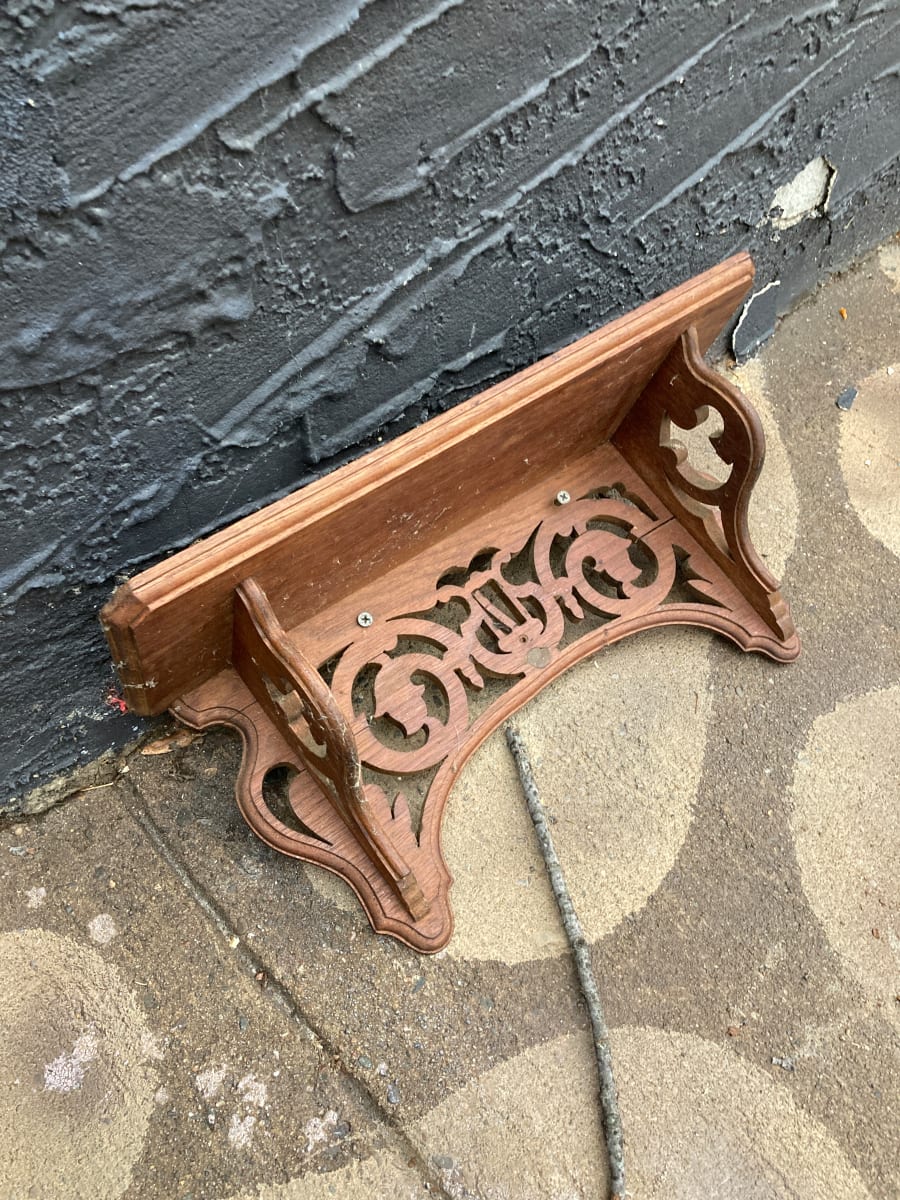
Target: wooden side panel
[170,627]
[681,395]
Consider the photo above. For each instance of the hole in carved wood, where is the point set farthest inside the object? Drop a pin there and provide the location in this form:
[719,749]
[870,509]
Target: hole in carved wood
[519,568]
[414,789]
[701,464]
[690,586]
[295,713]
[618,491]
[276,791]
[459,576]
[404,700]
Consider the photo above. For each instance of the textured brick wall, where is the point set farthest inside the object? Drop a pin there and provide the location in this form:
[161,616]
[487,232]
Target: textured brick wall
[240,240]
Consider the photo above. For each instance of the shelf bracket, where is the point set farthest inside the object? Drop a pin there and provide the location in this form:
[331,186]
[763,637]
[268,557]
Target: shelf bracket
[299,704]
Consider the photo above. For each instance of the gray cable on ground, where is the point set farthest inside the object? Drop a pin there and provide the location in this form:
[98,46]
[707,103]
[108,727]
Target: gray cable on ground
[609,1101]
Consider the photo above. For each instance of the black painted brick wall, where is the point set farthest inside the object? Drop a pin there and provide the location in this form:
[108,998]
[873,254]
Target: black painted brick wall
[241,240]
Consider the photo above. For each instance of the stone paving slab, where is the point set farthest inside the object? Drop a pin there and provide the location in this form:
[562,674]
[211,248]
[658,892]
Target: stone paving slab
[730,831]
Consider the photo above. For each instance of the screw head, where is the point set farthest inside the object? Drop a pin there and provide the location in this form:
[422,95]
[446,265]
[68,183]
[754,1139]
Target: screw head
[563,497]
[365,619]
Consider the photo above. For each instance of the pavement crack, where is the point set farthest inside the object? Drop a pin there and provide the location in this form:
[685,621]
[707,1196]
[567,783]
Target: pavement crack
[277,993]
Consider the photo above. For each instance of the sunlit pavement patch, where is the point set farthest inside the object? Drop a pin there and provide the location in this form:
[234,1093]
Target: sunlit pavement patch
[383,1175]
[870,455]
[75,1070]
[846,825]
[699,1121]
[617,749]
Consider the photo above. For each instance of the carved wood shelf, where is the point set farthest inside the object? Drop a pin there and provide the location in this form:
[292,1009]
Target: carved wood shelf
[365,634]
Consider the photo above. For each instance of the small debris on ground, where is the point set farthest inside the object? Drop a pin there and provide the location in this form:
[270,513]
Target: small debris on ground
[175,741]
[843,313]
[846,398]
[786,1064]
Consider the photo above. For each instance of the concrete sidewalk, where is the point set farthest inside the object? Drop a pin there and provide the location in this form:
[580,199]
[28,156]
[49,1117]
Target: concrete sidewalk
[189,1016]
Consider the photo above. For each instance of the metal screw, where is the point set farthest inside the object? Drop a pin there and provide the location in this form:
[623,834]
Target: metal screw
[365,619]
[563,497]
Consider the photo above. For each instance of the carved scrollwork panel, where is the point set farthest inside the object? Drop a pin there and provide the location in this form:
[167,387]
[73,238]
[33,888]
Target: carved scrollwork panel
[594,561]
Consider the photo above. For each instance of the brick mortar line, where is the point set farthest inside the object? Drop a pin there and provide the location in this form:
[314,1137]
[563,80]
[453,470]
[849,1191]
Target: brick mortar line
[275,990]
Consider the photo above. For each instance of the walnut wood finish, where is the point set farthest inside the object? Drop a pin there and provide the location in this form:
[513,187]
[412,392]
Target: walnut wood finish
[492,548]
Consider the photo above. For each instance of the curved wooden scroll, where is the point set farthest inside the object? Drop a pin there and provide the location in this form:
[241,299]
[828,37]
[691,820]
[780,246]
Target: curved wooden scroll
[369,632]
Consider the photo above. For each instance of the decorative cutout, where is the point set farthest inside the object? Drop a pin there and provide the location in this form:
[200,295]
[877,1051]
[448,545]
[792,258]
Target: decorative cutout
[489,551]
[685,391]
[602,558]
[699,462]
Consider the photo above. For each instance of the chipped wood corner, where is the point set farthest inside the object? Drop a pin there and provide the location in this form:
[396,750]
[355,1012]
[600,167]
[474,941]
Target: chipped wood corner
[446,578]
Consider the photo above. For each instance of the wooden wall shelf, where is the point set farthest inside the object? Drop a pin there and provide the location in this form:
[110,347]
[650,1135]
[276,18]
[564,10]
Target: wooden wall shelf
[365,634]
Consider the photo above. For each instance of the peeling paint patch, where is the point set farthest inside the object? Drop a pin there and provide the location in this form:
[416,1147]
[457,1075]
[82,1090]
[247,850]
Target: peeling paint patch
[66,1073]
[240,1131]
[254,1091]
[102,929]
[209,1082]
[804,196]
